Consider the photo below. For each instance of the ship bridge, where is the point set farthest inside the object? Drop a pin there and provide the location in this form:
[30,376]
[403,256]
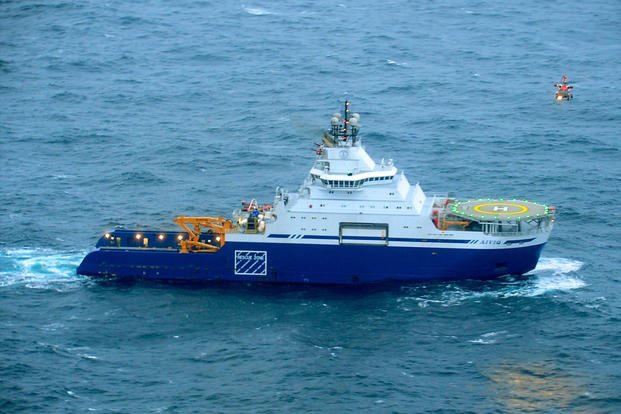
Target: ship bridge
[342,163]
[343,172]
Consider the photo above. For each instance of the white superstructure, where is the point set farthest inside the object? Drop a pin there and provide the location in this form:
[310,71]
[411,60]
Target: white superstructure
[348,196]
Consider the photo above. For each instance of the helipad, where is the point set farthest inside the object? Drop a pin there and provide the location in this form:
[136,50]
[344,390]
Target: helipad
[489,209]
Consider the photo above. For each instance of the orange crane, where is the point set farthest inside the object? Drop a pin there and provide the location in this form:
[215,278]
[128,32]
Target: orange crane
[217,225]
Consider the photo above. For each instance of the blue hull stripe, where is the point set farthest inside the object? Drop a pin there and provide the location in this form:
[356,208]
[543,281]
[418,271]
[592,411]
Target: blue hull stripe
[392,239]
[279,236]
[405,239]
[519,241]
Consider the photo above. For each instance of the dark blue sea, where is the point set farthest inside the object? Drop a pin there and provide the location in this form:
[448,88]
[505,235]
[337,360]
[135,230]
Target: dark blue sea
[118,113]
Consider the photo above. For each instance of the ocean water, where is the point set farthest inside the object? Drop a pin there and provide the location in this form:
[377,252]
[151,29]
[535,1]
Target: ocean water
[130,113]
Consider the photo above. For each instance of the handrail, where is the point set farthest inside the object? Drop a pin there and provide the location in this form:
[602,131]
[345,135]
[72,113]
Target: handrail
[444,224]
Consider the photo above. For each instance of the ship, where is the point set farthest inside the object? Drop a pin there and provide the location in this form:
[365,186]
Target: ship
[353,221]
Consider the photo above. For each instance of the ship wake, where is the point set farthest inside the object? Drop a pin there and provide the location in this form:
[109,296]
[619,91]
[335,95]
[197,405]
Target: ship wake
[555,273]
[551,275]
[39,268]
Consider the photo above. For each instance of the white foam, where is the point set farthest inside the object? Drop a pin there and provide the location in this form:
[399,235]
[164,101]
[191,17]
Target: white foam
[39,268]
[87,356]
[550,275]
[481,341]
[558,280]
[488,338]
[558,265]
[257,11]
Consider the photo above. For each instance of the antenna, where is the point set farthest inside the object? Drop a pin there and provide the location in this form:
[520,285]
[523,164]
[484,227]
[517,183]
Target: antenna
[344,128]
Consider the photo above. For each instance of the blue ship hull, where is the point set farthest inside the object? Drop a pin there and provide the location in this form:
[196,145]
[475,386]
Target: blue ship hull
[307,263]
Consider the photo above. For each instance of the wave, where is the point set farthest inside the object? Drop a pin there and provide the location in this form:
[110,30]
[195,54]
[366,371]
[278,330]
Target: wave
[394,63]
[257,11]
[557,265]
[39,268]
[551,274]
[559,279]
